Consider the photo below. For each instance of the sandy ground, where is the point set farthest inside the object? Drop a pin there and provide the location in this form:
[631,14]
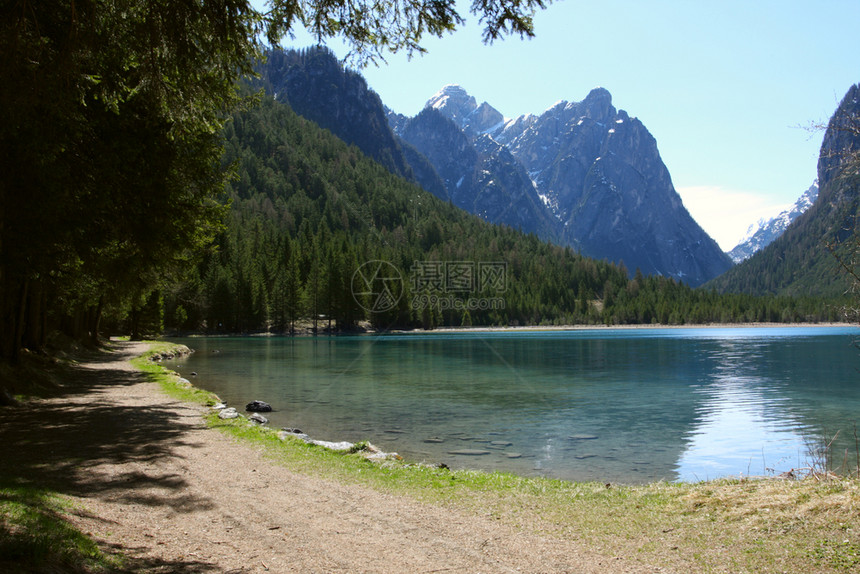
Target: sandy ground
[149,480]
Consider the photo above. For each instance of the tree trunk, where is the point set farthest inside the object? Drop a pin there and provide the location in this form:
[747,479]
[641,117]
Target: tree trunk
[7,318]
[21,314]
[33,329]
[95,321]
[134,318]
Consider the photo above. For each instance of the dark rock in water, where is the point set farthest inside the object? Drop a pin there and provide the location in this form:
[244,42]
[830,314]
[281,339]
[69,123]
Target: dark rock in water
[258,407]
[193,373]
[292,430]
[258,418]
[582,437]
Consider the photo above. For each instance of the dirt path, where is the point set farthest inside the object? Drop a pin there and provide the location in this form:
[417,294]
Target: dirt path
[174,496]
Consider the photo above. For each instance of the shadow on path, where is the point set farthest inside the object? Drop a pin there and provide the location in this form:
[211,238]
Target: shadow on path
[82,443]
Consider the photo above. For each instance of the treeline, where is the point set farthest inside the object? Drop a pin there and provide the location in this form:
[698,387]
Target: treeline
[110,139]
[320,236]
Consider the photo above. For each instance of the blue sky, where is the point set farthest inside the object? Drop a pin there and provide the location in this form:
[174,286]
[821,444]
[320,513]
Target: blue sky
[725,87]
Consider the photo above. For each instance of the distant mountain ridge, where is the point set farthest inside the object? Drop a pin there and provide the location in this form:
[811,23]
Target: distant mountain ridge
[765,231]
[581,174]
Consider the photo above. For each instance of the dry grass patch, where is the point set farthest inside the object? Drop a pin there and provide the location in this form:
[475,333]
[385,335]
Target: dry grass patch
[720,526]
[812,525]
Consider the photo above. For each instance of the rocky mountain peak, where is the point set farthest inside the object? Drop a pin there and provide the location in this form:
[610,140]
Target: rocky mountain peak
[594,171]
[454,102]
[598,105]
[800,260]
[599,172]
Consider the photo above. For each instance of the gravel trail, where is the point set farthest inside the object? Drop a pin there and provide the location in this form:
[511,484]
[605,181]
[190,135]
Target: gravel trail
[150,480]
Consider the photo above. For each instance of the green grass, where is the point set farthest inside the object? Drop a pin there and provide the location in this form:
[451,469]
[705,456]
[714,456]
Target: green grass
[35,535]
[168,380]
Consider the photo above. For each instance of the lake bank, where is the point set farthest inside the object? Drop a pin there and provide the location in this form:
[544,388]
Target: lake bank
[191,496]
[366,329]
[561,328]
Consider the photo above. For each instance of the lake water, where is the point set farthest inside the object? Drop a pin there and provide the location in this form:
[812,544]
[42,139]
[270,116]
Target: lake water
[613,405]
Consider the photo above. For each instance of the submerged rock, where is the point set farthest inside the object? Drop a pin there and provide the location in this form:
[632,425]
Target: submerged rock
[469,452]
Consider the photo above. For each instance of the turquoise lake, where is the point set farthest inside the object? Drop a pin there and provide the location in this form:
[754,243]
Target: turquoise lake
[613,405]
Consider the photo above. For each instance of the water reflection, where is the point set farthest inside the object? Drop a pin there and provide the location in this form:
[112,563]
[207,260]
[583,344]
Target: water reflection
[767,403]
[741,401]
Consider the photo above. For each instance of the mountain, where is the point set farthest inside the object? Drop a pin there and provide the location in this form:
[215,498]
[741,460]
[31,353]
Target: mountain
[580,174]
[597,173]
[480,175]
[765,231]
[491,182]
[317,87]
[801,261]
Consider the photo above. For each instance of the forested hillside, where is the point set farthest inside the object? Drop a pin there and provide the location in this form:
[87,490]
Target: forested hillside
[801,260]
[309,212]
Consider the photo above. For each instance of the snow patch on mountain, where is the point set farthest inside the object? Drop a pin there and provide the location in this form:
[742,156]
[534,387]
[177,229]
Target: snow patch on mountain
[764,231]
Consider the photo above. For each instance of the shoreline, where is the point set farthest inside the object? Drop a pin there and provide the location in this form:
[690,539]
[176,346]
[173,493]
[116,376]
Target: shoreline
[603,327]
[517,328]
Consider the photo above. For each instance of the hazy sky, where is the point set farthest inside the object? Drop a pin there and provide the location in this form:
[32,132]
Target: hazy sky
[726,87]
